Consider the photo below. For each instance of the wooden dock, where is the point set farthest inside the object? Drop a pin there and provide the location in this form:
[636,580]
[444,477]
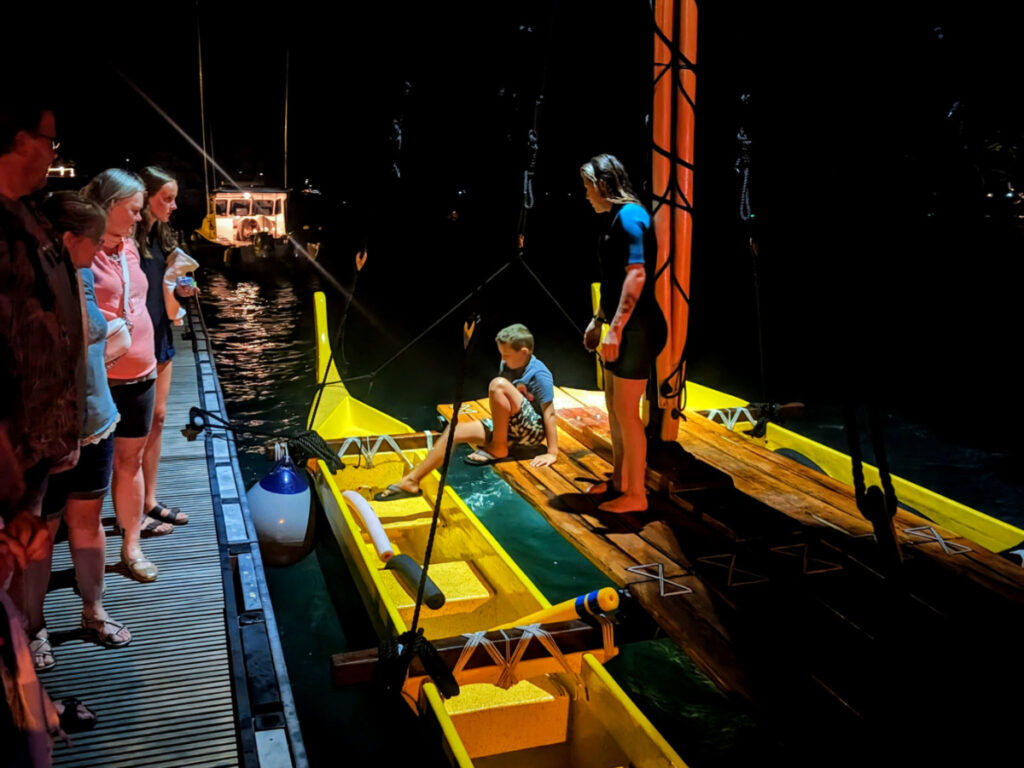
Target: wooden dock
[203,681]
[765,573]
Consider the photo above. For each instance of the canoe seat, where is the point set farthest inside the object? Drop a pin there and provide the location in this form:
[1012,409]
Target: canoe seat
[532,713]
[464,590]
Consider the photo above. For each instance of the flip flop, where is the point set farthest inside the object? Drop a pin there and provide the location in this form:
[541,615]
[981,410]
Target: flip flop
[394,492]
[486,461]
[165,514]
[99,630]
[76,717]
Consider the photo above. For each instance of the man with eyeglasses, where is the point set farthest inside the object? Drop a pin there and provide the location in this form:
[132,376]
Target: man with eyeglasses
[42,372]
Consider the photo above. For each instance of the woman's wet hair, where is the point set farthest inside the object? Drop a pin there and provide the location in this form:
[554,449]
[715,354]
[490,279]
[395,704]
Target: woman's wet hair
[155,178]
[70,212]
[609,176]
[516,336]
[111,187]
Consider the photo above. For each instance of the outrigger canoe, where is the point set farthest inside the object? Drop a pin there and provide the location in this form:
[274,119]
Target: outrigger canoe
[564,712]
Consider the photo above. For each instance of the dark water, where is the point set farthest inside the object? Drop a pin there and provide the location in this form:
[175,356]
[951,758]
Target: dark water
[262,333]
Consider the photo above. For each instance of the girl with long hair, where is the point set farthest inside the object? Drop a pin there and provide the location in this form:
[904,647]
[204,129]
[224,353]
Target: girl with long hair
[156,241]
[637,331]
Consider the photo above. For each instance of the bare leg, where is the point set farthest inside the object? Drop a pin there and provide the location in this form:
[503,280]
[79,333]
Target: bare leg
[128,491]
[28,589]
[465,432]
[626,406]
[505,400]
[616,429]
[87,543]
[88,552]
[151,456]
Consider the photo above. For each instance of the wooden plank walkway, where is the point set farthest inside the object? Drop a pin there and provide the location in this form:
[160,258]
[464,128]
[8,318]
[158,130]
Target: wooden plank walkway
[762,542]
[178,694]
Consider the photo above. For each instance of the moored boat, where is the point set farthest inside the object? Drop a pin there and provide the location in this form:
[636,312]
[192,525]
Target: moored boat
[561,712]
[248,228]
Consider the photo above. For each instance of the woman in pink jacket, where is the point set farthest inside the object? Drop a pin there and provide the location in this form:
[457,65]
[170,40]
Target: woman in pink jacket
[121,288]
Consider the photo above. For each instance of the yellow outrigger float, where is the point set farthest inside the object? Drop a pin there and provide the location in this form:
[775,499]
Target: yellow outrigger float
[561,713]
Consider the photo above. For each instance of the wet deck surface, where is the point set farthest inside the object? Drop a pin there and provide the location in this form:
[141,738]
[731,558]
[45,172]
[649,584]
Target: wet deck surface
[165,699]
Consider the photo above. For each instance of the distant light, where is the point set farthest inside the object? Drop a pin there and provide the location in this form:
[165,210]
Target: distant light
[988,194]
[246,195]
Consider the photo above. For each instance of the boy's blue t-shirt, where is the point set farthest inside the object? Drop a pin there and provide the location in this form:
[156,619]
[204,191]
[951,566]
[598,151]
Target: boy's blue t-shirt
[537,379]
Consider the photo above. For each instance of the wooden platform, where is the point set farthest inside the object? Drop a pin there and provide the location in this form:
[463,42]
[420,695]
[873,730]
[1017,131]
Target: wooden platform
[790,607]
[180,694]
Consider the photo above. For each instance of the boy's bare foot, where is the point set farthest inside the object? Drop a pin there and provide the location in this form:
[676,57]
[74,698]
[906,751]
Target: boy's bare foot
[624,505]
[601,488]
[487,454]
[495,450]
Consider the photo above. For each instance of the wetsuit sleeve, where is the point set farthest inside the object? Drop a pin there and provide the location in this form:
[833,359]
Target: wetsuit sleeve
[634,221]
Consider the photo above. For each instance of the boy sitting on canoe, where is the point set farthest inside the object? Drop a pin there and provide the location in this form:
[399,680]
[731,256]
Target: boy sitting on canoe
[522,413]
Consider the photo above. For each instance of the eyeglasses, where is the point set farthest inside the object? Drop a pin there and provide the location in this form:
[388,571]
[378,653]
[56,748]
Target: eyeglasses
[54,141]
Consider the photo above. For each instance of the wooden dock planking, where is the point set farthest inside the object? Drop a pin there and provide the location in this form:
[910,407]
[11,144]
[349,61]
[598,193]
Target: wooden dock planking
[167,698]
[200,685]
[814,499]
[557,492]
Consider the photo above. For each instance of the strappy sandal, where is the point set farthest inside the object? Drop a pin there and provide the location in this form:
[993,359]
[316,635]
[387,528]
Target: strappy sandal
[165,514]
[151,528]
[106,631]
[42,652]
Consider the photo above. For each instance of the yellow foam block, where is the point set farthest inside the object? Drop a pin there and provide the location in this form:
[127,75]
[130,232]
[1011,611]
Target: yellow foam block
[464,590]
[532,713]
[401,508]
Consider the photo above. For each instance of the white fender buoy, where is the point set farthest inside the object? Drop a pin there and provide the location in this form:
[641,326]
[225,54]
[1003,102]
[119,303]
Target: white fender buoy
[371,524]
[279,505]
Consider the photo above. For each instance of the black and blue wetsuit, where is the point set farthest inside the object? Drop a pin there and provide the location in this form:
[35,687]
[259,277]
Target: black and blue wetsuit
[630,240]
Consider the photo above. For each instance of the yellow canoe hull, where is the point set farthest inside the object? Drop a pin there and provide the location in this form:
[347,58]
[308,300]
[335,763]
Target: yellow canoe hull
[543,720]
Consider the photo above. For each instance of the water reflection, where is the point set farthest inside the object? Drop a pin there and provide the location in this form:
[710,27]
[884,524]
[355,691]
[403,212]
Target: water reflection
[263,358]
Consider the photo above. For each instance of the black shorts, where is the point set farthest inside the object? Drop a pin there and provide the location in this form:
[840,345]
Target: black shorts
[88,479]
[642,340]
[135,404]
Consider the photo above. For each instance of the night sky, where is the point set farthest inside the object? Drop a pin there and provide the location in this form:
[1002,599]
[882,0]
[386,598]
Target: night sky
[879,135]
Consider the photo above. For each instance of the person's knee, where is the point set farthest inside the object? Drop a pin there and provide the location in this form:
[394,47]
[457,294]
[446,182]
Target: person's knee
[127,461]
[159,416]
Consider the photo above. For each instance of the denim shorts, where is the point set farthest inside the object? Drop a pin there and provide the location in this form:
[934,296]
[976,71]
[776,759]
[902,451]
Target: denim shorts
[88,479]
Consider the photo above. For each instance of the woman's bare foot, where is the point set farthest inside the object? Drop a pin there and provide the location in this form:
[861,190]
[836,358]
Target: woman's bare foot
[623,505]
[601,488]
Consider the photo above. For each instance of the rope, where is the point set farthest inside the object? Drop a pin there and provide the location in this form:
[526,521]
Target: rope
[673,385]
[468,337]
[304,445]
[876,505]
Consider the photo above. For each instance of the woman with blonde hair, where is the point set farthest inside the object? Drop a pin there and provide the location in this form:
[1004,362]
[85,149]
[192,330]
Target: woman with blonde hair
[121,288]
[637,330]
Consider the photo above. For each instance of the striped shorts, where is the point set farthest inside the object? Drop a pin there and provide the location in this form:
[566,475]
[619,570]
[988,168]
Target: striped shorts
[525,427]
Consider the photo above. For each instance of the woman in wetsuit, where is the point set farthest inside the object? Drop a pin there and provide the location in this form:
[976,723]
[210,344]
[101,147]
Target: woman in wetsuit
[637,330]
